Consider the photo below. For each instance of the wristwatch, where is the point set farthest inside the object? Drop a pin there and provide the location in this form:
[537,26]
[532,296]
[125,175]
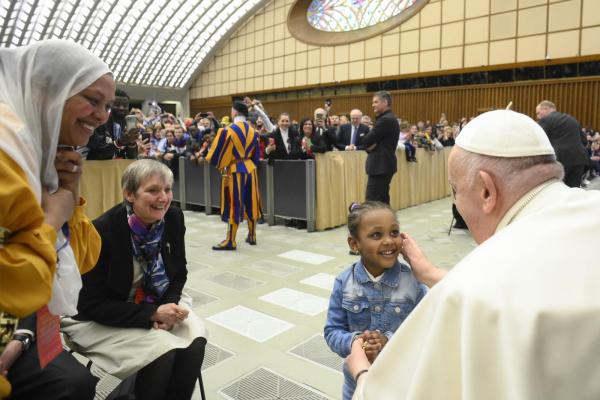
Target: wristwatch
[24,338]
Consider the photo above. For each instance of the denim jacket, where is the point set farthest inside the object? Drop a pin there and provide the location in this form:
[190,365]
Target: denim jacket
[358,304]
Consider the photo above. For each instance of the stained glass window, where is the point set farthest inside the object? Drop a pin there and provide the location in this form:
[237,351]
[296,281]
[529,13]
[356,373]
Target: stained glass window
[350,15]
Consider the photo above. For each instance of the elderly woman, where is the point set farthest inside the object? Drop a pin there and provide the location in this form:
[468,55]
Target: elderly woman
[53,94]
[132,317]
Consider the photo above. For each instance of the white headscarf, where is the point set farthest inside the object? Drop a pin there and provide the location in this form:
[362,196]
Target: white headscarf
[35,83]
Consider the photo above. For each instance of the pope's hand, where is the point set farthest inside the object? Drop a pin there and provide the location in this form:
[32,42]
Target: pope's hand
[422,268]
[357,360]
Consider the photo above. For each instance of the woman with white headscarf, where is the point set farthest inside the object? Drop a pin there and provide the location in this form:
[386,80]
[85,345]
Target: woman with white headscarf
[53,94]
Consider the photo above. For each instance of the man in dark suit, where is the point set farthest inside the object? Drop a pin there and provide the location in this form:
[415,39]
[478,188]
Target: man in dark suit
[381,143]
[564,133]
[284,142]
[351,135]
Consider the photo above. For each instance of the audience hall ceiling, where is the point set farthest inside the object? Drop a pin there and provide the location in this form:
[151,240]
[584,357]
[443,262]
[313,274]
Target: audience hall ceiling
[145,42]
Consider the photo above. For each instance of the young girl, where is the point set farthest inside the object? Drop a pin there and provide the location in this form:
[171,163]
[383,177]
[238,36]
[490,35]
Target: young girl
[372,297]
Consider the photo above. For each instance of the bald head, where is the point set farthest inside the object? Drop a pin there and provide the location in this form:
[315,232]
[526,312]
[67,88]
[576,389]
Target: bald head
[486,187]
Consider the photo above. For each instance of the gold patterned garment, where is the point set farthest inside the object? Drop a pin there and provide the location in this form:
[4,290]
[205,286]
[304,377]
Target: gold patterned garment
[8,324]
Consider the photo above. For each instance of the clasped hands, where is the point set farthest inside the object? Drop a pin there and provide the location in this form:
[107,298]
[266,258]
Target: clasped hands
[372,343]
[168,315]
[365,349]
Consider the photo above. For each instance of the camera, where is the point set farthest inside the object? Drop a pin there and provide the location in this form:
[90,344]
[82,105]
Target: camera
[328,102]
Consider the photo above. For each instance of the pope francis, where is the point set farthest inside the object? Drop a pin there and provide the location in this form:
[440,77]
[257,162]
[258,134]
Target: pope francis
[519,317]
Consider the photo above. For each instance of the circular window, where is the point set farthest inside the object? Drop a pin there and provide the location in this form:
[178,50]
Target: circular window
[332,22]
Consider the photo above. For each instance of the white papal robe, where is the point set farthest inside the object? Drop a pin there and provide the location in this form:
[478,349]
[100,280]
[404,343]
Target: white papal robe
[518,318]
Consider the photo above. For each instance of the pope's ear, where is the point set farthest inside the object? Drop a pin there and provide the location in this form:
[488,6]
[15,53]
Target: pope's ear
[488,192]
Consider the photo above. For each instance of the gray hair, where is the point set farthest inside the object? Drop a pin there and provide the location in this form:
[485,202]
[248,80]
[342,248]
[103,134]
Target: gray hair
[547,104]
[514,172]
[385,96]
[140,170]
[356,111]
[357,210]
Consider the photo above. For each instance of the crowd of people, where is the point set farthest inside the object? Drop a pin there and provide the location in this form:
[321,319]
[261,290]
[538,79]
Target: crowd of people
[165,137]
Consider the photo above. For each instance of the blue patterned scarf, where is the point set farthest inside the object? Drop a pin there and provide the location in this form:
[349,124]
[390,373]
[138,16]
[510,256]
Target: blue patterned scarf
[146,249]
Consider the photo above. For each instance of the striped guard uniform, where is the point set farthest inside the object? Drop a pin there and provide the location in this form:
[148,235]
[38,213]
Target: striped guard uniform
[235,152]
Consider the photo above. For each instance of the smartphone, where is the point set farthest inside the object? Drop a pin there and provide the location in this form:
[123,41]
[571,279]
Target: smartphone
[271,141]
[145,136]
[130,122]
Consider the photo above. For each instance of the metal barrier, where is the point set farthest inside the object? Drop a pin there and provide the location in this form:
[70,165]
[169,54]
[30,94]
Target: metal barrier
[287,188]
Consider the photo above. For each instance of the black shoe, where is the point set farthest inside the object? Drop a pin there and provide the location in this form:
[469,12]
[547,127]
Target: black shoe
[250,242]
[291,223]
[220,247]
[261,220]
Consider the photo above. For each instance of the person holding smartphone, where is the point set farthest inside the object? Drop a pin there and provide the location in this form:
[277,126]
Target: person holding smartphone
[115,139]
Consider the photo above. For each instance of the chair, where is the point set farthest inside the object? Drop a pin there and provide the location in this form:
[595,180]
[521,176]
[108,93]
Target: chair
[125,390]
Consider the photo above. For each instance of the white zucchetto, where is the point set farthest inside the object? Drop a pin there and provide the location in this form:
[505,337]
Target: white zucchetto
[504,133]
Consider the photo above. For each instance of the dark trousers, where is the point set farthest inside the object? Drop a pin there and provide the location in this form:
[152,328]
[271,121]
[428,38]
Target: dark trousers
[64,378]
[573,175]
[378,188]
[409,151]
[173,375]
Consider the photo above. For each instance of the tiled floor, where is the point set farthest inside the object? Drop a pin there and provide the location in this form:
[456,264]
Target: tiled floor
[266,305]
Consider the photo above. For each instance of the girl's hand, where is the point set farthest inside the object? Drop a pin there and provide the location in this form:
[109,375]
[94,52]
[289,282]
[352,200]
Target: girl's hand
[373,344]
